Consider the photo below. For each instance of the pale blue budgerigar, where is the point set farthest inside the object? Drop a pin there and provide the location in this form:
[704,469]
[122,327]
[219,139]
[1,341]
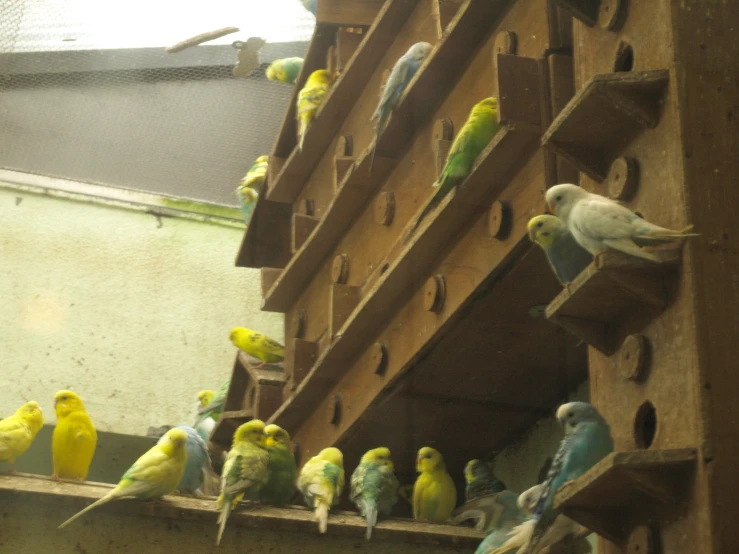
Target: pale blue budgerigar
[197,467]
[507,515]
[587,441]
[402,73]
[310,5]
[374,487]
[566,258]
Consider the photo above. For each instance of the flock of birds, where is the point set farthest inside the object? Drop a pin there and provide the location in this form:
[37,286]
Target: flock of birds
[261,468]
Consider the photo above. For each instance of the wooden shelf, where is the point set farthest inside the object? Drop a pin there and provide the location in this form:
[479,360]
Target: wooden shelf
[266,241]
[628,488]
[339,102]
[507,153]
[614,288]
[622,104]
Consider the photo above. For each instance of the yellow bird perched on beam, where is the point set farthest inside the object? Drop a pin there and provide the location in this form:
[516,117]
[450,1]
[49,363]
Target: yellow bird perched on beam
[74,440]
[18,431]
[257,345]
[310,98]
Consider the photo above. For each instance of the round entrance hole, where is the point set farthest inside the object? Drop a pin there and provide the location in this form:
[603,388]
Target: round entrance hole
[645,425]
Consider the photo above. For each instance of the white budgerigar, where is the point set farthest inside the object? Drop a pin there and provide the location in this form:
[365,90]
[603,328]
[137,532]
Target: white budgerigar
[598,223]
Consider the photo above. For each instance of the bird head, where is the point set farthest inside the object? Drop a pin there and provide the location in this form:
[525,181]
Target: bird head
[332,455]
[560,199]
[379,455]
[205,397]
[476,470]
[528,499]
[262,160]
[321,77]
[66,402]
[490,103]
[251,431]
[543,229]
[276,435]
[173,440]
[420,51]
[31,414]
[429,459]
[570,415]
[273,71]
[236,332]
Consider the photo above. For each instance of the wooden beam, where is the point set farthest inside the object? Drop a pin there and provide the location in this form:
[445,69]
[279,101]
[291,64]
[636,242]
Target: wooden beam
[347,13]
[339,101]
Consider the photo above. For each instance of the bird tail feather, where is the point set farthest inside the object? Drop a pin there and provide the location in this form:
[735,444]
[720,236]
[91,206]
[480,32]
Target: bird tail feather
[321,513]
[370,515]
[302,127]
[657,233]
[223,516]
[520,536]
[103,500]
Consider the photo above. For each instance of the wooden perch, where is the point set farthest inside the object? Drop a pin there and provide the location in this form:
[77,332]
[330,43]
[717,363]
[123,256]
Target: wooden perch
[200,39]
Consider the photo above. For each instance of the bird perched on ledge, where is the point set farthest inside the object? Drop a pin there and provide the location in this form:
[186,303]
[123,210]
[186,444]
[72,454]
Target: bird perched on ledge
[566,257]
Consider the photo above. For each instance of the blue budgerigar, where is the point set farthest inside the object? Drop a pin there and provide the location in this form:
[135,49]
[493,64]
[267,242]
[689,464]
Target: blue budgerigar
[507,516]
[402,73]
[374,486]
[198,463]
[587,440]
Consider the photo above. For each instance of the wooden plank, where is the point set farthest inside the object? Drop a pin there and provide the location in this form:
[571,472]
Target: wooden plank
[505,156]
[304,355]
[268,399]
[348,12]
[352,196]
[343,299]
[340,100]
[268,277]
[302,228]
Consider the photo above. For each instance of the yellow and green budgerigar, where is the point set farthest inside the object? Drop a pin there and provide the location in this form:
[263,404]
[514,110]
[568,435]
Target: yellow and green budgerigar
[283,471]
[310,98]
[285,70]
[479,129]
[257,345]
[153,475]
[246,470]
[374,487]
[321,481]
[205,397]
[18,431]
[209,410]
[74,439]
[434,494]
[251,186]
[566,257]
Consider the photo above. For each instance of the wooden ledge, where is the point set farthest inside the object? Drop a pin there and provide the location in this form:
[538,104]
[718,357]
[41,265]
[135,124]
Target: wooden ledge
[610,289]
[626,489]
[623,104]
[292,518]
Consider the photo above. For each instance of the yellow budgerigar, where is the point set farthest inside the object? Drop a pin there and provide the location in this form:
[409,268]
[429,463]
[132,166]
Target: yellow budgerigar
[321,481]
[257,345]
[245,471]
[434,494]
[251,186]
[18,431]
[74,440]
[310,99]
[153,475]
[205,397]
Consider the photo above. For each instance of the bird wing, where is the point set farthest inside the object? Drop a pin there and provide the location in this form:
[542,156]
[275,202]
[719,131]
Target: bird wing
[357,482]
[311,97]
[602,220]
[14,432]
[270,346]
[394,87]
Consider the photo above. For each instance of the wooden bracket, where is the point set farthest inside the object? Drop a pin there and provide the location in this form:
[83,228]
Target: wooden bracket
[297,324]
[274,168]
[266,242]
[519,91]
[343,160]
[610,290]
[442,139]
[385,208]
[342,301]
[303,226]
[626,489]
[304,355]
[347,42]
[340,269]
[268,277]
[624,104]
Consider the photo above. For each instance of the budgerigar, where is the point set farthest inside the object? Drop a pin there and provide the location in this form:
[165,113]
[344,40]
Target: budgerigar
[374,487]
[245,471]
[434,494]
[479,129]
[210,408]
[310,5]
[507,516]
[598,223]
[257,345]
[310,99]
[283,471]
[153,475]
[480,480]
[251,186]
[402,73]
[198,465]
[566,257]
[587,440]
[74,439]
[18,431]
[285,70]
[321,481]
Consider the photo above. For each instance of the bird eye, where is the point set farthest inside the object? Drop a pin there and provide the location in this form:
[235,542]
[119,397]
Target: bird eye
[540,224]
[570,415]
[558,198]
[545,233]
[64,397]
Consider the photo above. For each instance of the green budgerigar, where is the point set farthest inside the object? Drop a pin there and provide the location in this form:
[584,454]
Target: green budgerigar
[285,70]
[283,471]
[321,481]
[566,257]
[374,487]
[251,186]
[480,480]
[246,470]
[479,129]
[210,412]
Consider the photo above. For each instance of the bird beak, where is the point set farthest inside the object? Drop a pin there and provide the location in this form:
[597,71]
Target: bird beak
[56,401]
[551,208]
[532,235]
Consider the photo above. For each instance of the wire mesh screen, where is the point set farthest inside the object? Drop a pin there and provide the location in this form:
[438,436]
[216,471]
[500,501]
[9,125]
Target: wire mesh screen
[88,93]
